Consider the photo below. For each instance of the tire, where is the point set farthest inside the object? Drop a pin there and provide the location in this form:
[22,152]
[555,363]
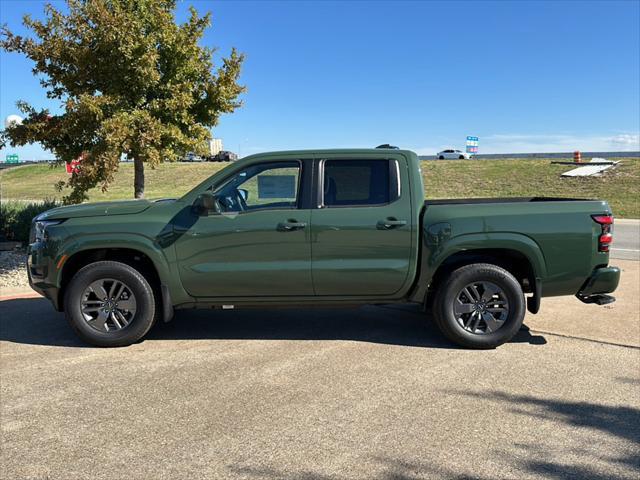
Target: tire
[506,307]
[461,157]
[441,157]
[139,305]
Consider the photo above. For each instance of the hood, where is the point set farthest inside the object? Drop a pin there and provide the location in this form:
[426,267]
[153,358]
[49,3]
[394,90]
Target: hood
[96,209]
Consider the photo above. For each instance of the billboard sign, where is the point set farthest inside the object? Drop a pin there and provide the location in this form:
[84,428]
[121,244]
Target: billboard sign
[472,145]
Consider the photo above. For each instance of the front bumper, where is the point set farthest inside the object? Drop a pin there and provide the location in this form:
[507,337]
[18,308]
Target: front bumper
[603,280]
[40,270]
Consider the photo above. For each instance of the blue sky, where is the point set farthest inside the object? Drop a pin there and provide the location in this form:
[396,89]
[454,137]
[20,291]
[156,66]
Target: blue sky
[522,76]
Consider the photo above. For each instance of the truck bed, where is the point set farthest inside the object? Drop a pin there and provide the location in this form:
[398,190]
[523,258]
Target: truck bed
[561,231]
[458,201]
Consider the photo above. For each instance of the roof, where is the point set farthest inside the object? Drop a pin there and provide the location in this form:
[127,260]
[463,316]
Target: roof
[332,151]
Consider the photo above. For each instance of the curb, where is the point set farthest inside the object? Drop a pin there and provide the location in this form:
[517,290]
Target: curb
[18,296]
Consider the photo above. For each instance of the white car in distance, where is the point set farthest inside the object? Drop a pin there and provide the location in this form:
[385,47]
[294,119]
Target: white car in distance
[452,155]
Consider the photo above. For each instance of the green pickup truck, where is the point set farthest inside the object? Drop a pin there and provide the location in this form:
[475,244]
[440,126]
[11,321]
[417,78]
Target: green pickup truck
[319,228]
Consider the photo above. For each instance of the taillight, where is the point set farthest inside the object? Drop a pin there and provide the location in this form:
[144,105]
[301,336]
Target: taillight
[606,237]
[603,219]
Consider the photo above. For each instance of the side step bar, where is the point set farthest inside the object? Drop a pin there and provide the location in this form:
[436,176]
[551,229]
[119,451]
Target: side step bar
[598,299]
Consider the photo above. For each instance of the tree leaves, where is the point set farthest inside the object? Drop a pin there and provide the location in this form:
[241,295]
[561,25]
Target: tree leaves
[132,83]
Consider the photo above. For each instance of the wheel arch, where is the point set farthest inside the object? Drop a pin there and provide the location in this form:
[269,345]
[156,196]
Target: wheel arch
[514,261]
[514,252]
[134,257]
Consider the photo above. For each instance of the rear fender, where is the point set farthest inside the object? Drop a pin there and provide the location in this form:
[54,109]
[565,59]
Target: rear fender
[435,255]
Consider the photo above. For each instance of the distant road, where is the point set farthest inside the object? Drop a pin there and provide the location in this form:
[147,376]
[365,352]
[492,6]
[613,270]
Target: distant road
[626,239]
[4,165]
[531,156]
[482,156]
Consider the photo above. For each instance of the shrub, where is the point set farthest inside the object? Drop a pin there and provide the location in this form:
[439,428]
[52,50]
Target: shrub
[15,218]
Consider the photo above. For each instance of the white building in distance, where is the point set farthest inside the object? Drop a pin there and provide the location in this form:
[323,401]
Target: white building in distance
[215,146]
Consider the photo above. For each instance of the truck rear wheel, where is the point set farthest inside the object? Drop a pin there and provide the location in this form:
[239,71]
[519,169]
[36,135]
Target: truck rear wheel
[479,306]
[110,304]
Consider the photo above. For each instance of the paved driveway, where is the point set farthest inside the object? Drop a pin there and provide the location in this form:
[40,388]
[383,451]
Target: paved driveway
[618,322]
[316,394]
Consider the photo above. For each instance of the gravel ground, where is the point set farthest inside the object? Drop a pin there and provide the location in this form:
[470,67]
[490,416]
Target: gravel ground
[13,271]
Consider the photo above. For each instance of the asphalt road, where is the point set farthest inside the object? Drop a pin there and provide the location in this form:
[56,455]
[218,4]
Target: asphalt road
[626,239]
[311,394]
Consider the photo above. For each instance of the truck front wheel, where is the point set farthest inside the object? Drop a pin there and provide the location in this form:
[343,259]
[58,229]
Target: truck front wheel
[110,304]
[479,306]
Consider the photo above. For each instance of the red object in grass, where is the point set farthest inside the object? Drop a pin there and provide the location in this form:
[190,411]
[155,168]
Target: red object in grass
[73,166]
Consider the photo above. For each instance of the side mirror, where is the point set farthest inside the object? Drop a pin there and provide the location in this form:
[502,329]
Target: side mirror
[244,194]
[205,203]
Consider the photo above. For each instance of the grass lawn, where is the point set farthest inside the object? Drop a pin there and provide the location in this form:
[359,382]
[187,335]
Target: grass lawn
[170,180]
[619,186]
[443,179]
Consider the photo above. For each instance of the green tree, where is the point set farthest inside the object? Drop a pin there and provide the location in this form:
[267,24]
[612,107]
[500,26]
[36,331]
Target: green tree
[131,82]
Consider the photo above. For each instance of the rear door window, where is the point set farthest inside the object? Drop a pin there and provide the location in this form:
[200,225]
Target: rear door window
[359,183]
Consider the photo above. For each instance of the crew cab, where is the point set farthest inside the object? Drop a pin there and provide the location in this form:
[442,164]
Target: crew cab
[320,228]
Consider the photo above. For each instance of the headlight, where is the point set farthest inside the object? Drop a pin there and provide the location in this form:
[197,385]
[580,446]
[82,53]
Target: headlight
[39,230]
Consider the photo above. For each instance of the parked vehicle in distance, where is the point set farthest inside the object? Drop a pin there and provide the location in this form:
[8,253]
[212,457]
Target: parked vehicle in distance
[192,157]
[320,228]
[453,155]
[223,156]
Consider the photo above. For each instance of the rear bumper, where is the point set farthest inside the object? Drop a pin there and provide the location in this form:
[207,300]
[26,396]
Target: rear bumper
[603,280]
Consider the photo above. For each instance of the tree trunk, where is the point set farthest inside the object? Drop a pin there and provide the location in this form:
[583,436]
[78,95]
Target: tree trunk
[138,178]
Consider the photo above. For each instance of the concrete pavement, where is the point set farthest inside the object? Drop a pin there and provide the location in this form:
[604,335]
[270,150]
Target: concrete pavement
[374,392]
[617,322]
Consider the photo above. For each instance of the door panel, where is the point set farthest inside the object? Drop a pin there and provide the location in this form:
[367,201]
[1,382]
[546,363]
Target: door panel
[247,254]
[361,249]
[258,242]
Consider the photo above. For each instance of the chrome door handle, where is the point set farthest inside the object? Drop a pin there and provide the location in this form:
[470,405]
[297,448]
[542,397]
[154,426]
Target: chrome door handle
[291,225]
[390,223]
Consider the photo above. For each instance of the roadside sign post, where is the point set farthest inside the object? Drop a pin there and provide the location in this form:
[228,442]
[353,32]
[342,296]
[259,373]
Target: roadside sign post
[472,145]
[12,158]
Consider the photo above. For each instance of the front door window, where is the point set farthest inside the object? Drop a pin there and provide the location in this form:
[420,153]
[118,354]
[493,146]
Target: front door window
[260,187]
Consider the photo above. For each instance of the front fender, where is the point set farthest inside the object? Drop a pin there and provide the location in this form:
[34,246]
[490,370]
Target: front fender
[130,241]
